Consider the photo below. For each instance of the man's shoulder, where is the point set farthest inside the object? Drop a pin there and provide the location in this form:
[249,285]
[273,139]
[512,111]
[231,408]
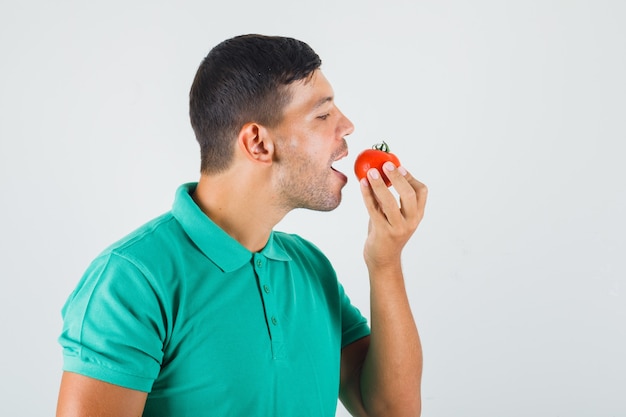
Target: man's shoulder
[150,237]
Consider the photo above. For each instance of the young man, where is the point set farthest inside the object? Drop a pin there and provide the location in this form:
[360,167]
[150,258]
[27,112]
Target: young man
[207,311]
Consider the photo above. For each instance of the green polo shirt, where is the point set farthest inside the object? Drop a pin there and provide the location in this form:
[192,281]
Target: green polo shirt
[181,310]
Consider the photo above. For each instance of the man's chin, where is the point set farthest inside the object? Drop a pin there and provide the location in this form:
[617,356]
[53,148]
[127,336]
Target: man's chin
[328,205]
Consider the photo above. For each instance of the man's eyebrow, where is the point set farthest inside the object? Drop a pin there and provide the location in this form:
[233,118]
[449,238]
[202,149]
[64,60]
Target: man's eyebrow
[322,101]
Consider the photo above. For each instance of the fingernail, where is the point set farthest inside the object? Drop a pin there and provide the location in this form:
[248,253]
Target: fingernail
[373,173]
[389,166]
[402,170]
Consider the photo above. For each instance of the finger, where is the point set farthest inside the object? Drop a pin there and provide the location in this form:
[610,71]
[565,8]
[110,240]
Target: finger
[371,203]
[421,190]
[397,176]
[413,194]
[386,201]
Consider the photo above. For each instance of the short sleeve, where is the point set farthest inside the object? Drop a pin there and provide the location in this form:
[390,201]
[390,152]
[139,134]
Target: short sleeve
[353,325]
[113,325]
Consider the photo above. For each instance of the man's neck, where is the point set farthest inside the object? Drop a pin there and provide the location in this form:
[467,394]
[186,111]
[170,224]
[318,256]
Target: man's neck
[244,209]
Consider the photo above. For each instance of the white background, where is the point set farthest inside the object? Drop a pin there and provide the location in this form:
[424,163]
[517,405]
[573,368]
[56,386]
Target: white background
[512,112]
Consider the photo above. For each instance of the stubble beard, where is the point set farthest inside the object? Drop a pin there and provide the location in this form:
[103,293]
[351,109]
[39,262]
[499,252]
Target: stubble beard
[300,187]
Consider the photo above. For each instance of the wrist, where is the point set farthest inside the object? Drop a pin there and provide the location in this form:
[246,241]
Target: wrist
[384,269]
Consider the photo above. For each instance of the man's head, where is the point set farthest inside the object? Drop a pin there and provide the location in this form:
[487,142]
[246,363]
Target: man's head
[244,79]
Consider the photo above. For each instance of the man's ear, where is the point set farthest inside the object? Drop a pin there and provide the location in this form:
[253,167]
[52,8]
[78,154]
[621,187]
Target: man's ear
[255,142]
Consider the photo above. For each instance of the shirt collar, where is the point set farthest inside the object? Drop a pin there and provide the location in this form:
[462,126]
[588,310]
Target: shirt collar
[217,245]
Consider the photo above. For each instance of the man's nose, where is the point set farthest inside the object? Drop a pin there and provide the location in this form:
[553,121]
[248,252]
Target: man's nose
[346,126]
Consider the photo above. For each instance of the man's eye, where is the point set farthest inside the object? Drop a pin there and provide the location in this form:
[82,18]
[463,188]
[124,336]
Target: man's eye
[324,116]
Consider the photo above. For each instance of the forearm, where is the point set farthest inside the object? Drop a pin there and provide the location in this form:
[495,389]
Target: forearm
[390,376]
[392,370]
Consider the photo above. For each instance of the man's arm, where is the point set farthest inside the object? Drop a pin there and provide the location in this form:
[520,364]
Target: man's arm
[381,374]
[81,396]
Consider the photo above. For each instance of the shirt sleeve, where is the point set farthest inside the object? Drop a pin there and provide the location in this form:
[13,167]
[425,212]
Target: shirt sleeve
[113,326]
[353,325]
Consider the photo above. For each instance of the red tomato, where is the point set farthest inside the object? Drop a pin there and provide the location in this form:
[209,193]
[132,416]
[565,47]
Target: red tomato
[374,158]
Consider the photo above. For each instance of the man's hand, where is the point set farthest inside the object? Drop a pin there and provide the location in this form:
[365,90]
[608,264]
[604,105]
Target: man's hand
[391,225]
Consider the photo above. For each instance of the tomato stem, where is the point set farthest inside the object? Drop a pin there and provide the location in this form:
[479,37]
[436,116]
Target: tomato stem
[381,147]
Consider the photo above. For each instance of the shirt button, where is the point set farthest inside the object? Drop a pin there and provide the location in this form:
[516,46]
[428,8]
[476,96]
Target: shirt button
[259,263]
[274,321]
[266,288]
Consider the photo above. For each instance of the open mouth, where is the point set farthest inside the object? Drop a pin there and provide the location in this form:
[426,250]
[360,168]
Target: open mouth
[340,164]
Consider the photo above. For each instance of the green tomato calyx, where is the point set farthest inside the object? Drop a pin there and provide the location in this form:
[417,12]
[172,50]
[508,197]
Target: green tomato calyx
[381,147]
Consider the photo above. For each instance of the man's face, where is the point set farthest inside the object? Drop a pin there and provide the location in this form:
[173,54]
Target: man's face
[309,139]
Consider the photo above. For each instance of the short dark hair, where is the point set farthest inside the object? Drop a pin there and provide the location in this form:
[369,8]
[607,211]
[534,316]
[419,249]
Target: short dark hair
[243,79]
